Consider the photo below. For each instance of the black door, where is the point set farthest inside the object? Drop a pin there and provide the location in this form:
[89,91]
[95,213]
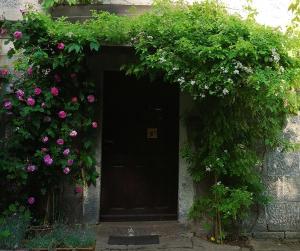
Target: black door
[139,179]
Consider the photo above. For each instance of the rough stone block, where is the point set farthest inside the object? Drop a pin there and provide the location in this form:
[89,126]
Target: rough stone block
[282,164]
[292,235]
[283,188]
[283,216]
[268,235]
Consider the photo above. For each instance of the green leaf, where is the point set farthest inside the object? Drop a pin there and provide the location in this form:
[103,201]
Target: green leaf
[94,45]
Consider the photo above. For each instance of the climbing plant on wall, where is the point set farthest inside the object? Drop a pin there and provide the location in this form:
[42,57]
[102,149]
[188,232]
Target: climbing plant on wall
[243,78]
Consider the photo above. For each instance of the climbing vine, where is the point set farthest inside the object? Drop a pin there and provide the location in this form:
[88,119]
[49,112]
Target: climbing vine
[242,76]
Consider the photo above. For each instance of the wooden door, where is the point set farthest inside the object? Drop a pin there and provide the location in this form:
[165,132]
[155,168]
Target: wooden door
[139,179]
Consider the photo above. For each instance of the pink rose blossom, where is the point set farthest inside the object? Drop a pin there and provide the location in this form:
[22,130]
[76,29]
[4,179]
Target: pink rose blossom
[73,133]
[31,168]
[78,189]
[91,98]
[48,160]
[31,200]
[43,105]
[70,162]
[44,150]
[37,91]
[62,114]
[66,170]
[60,142]
[4,72]
[20,94]
[29,71]
[60,46]
[31,101]
[54,91]
[57,78]
[94,124]
[74,99]
[45,139]
[18,35]
[7,105]
[66,152]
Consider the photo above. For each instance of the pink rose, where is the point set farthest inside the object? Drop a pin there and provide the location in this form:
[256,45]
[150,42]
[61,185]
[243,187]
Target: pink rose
[78,189]
[31,101]
[7,105]
[54,91]
[48,160]
[66,152]
[60,46]
[74,99]
[66,170]
[62,114]
[44,150]
[31,168]
[31,200]
[37,91]
[70,162]
[45,139]
[73,133]
[57,78]
[29,71]
[60,142]
[91,98]
[4,72]
[43,105]
[20,94]
[18,35]
[94,124]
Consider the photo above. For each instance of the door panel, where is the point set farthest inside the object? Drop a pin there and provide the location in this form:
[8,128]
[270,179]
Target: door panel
[139,177]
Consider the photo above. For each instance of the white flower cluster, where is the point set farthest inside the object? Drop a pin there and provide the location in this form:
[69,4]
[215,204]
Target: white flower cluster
[240,67]
[181,80]
[275,56]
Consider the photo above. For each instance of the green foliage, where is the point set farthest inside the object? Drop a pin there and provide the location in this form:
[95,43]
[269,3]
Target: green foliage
[13,226]
[243,76]
[63,236]
[51,3]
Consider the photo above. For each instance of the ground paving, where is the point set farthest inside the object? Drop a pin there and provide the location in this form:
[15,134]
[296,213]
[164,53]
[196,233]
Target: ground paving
[176,237]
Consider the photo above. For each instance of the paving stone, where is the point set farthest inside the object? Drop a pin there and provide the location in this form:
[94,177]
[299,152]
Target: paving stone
[268,235]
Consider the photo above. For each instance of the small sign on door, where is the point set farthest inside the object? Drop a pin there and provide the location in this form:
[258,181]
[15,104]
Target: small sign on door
[152,133]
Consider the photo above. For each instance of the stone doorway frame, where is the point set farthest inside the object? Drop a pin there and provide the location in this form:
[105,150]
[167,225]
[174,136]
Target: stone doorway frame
[110,59]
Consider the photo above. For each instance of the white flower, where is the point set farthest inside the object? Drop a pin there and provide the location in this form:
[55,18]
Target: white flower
[281,69]
[193,82]
[207,169]
[175,69]
[225,91]
[236,72]
[275,55]
[162,60]
[202,95]
[218,183]
[181,80]
[230,80]
[149,37]
[206,87]
[225,151]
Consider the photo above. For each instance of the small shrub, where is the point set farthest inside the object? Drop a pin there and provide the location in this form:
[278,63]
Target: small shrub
[63,236]
[13,227]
